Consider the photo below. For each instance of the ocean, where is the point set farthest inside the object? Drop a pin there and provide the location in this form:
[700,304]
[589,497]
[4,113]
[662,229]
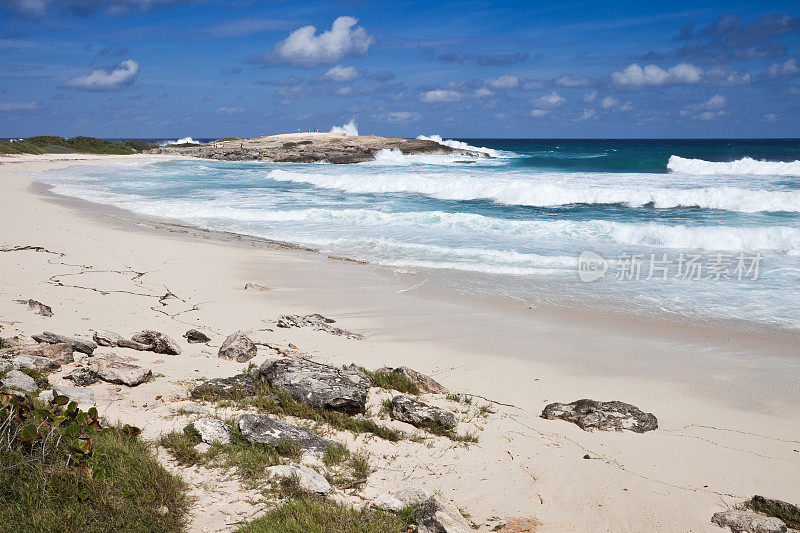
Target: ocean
[704,230]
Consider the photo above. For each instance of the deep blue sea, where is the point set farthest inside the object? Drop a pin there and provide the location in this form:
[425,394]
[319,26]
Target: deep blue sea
[697,229]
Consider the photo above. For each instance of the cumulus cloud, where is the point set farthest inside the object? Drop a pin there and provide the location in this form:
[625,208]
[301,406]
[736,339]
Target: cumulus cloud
[19,106]
[107,80]
[609,102]
[652,75]
[504,82]
[590,97]
[305,48]
[483,92]
[726,76]
[340,74]
[711,109]
[548,101]
[715,102]
[786,69]
[440,95]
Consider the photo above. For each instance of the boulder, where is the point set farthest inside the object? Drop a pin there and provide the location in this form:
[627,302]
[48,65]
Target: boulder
[60,352]
[34,362]
[212,430]
[434,514]
[316,322]
[78,345]
[319,385]
[309,479]
[193,336]
[401,498]
[255,287]
[81,396]
[423,382]
[83,377]
[237,386]
[37,307]
[238,347]
[267,430]
[122,373]
[158,342]
[416,413]
[15,380]
[605,416]
[107,338]
[748,522]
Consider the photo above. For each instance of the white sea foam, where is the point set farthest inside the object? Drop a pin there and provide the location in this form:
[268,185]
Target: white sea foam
[744,166]
[459,145]
[350,129]
[182,140]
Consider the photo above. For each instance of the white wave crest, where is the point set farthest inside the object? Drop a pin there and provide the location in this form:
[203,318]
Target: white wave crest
[459,145]
[350,129]
[182,140]
[745,166]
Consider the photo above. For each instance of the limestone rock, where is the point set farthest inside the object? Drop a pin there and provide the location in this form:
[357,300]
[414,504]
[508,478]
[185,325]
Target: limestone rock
[158,342]
[309,479]
[319,385]
[122,373]
[317,322]
[237,386]
[255,287]
[605,416]
[238,347]
[749,522]
[83,377]
[107,338]
[15,380]
[60,352]
[212,430]
[193,336]
[267,430]
[80,395]
[399,499]
[414,412]
[34,362]
[423,382]
[78,345]
[37,307]
[435,514]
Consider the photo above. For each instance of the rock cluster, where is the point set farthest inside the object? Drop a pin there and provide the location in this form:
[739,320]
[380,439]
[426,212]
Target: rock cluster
[237,386]
[317,322]
[423,382]
[78,345]
[37,307]
[435,515]
[605,416]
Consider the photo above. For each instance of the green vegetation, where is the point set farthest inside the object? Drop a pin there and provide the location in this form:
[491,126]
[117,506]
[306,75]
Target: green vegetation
[293,144]
[229,139]
[61,471]
[140,146]
[309,514]
[19,147]
[790,514]
[51,144]
[437,429]
[391,381]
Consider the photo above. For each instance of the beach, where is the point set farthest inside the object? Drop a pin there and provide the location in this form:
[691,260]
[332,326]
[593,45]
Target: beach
[727,400]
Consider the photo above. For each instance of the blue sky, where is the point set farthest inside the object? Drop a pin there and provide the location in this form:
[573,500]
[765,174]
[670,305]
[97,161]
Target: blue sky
[207,68]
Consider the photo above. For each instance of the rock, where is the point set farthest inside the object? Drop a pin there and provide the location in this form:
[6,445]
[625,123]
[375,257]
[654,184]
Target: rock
[212,430]
[192,408]
[237,386]
[79,395]
[37,307]
[34,362]
[605,416]
[121,373]
[193,336]
[423,382]
[16,380]
[414,412]
[319,385]
[202,447]
[5,366]
[238,347]
[78,345]
[760,501]
[399,499]
[748,522]
[60,352]
[309,479]
[317,322]
[158,342]
[255,287]
[107,338]
[434,514]
[267,430]
[83,377]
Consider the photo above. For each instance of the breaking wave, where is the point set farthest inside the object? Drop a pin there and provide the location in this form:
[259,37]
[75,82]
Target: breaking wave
[743,167]
[182,140]
[459,145]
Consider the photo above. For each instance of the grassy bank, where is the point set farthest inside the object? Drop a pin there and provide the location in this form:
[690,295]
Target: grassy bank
[50,144]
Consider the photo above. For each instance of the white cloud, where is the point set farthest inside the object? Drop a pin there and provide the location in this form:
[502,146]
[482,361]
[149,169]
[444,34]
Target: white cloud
[590,97]
[715,102]
[19,106]
[609,102]
[340,74]
[104,80]
[770,117]
[440,95]
[549,100]
[627,106]
[569,81]
[786,69]
[483,92]
[304,48]
[653,75]
[587,114]
[726,76]
[231,110]
[504,82]
[710,115]
[538,112]
[403,116]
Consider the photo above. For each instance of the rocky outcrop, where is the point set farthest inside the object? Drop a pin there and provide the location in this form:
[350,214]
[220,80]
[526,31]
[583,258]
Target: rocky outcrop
[16,381]
[157,342]
[420,414]
[424,383]
[213,430]
[435,515]
[318,385]
[605,416]
[308,479]
[316,322]
[237,386]
[37,307]
[109,338]
[267,430]
[193,336]
[34,362]
[238,347]
[60,352]
[83,377]
[121,373]
[78,345]
[740,521]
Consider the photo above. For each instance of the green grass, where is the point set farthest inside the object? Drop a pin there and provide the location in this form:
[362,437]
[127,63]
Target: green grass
[129,490]
[441,431]
[392,381]
[790,514]
[293,144]
[344,467]
[308,514]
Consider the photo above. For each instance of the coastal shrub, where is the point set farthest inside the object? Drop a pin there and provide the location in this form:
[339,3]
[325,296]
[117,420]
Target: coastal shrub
[311,514]
[61,471]
[391,381]
[293,144]
[19,147]
[85,145]
[140,146]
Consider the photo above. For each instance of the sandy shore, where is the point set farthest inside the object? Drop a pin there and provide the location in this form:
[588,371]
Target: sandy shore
[728,404]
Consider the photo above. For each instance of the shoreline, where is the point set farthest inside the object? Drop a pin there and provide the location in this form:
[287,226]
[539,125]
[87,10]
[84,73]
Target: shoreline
[709,388]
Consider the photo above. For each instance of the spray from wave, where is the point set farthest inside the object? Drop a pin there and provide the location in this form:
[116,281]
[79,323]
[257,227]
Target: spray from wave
[744,167]
[182,140]
[350,129]
[459,145]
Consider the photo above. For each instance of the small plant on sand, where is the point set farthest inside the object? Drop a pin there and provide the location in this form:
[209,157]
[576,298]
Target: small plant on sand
[437,429]
[460,398]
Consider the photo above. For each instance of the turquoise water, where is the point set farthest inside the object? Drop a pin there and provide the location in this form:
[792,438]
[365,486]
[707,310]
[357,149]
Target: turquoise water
[515,223]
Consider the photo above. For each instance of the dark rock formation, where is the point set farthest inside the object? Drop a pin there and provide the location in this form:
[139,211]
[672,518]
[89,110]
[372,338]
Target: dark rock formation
[605,416]
[267,430]
[418,413]
[237,386]
[109,338]
[83,377]
[37,307]
[193,336]
[317,322]
[157,342]
[78,345]
[238,347]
